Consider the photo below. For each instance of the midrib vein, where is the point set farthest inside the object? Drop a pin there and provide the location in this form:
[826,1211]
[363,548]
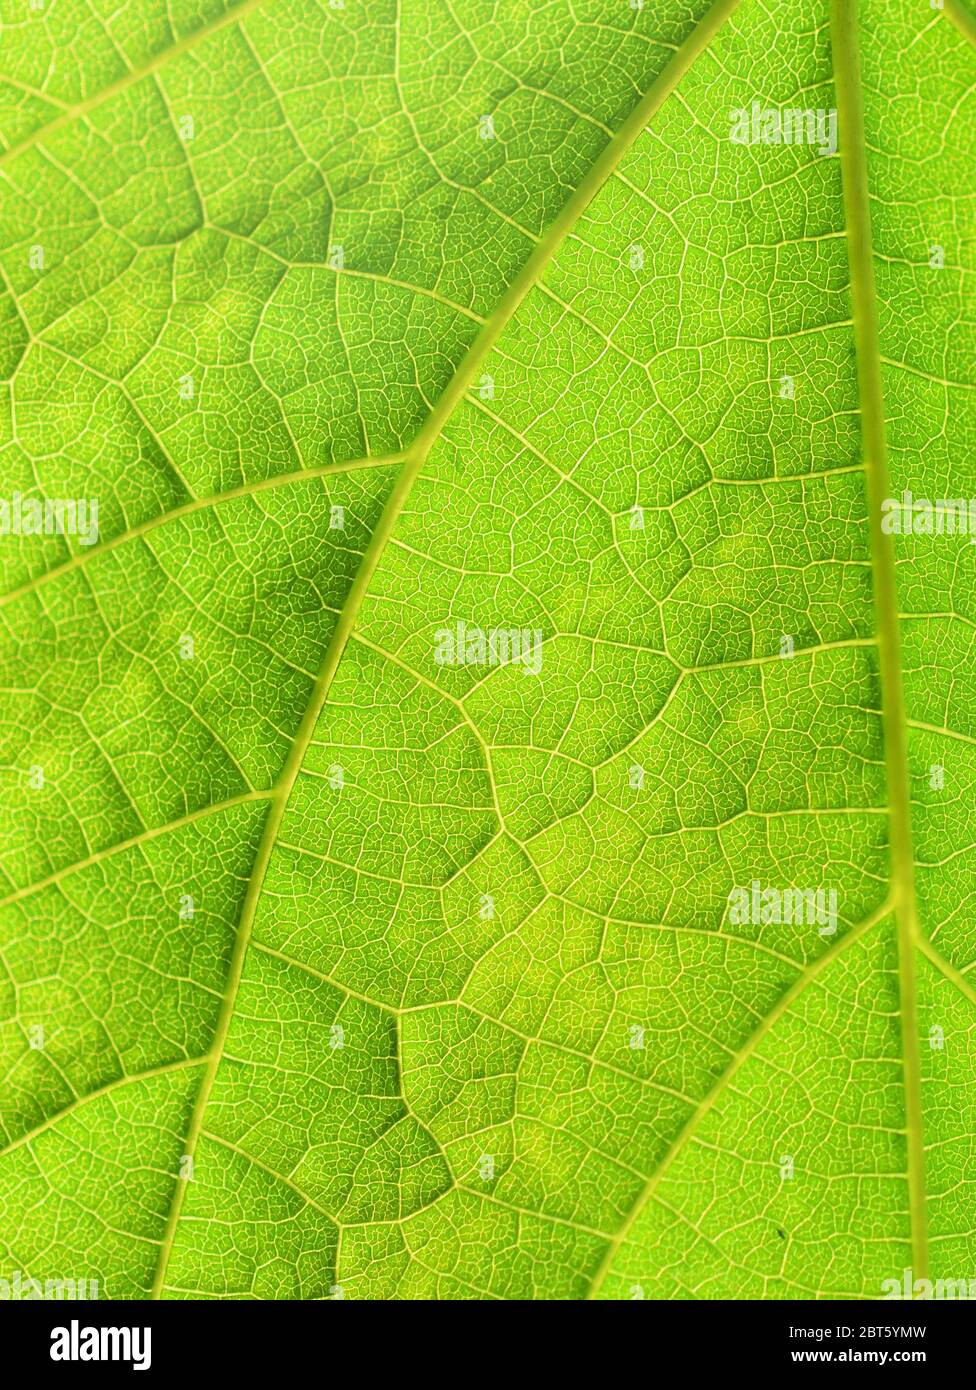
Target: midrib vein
[901,900]
[414,460]
[961,18]
[846,51]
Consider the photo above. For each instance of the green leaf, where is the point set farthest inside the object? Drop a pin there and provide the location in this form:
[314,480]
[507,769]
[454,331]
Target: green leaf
[488,603]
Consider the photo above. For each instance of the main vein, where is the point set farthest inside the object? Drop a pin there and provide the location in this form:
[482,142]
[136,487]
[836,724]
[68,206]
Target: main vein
[530,274]
[901,899]
[847,77]
[961,18]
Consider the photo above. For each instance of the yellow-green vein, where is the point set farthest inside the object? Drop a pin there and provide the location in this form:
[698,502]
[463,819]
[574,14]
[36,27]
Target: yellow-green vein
[847,77]
[415,457]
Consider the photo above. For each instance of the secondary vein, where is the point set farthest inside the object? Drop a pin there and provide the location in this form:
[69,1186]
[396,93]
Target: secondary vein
[414,460]
[142,528]
[82,108]
[688,1130]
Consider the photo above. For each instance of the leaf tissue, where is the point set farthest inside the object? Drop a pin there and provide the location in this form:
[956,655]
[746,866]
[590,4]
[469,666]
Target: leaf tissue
[487,632]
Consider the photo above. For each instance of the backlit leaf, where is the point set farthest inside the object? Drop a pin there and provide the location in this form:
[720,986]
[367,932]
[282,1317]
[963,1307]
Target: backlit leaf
[488,797]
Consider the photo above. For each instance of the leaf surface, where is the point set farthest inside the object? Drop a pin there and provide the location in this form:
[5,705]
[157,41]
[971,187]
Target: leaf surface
[332,964]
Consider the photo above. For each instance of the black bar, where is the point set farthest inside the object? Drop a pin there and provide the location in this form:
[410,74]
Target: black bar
[192,1338]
